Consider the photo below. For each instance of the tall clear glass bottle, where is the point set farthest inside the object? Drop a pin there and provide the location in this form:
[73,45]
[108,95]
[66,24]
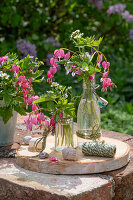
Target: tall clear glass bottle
[88,115]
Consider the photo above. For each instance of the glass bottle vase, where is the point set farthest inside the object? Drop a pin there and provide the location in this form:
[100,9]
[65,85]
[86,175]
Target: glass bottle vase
[88,115]
[64,134]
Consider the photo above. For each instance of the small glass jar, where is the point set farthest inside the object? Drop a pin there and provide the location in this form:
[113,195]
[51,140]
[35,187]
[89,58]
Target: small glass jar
[64,134]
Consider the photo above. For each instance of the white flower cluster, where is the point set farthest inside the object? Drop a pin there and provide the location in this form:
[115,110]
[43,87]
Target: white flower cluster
[54,84]
[85,68]
[76,35]
[4,75]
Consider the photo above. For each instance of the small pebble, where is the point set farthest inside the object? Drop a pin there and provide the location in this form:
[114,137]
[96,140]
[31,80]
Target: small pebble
[27,139]
[70,154]
[43,155]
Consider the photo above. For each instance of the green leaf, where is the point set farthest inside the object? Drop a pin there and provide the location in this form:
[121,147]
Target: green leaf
[51,106]
[62,62]
[76,60]
[88,41]
[7,99]
[6,113]
[84,64]
[65,102]
[37,74]
[20,110]
[46,97]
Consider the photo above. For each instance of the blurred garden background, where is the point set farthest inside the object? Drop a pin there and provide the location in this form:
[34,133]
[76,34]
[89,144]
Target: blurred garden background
[38,27]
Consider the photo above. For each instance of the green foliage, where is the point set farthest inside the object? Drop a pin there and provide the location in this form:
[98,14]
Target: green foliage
[6,113]
[59,101]
[117,120]
[88,42]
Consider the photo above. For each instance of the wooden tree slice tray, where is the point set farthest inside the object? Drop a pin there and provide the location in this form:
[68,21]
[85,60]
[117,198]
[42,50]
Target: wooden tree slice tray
[85,164]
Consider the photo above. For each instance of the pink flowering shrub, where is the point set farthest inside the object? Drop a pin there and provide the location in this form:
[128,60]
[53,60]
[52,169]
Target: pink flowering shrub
[16,90]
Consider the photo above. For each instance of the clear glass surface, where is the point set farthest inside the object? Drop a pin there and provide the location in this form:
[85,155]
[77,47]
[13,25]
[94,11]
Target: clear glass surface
[88,116]
[64,134]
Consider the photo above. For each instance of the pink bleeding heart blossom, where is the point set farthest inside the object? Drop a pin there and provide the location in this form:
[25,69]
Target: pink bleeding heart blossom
[53,62]
[105,64]
[29,126]
[21,79]
[49,74]
[91,77]
[46,124]
[53,124]
[30,81]
[26,118]
[40,117]
[105,74]
[52,120]
[59,53]
[25,85]
[33,120]
[28,123]
[61,115]
[67,56]
[24,95]
[79,72]
[53,159]
[50,77]
[15,68]
[29,100]
[35,108]
[53,70]
[106,82]
[3,59]
[99,58]
[35,98]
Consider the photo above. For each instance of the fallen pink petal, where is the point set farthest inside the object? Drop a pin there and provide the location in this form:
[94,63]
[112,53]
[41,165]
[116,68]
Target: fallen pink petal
[53,159]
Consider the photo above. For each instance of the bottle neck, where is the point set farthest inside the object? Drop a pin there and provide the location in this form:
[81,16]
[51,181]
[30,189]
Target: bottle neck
[88,89]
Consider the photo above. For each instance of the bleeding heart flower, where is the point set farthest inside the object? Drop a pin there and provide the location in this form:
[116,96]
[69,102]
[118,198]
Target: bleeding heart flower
[106,82]
[105,64]
[15,68]
[67,56]
[34,107]
[21,79]
[30,81]
[35,98]
[49,74]
[91,77]
[29,100]
[33,120]
[47,124]
[79,72]
[59,53]
[99,58]
[53,70]
[25,85]
[105,74]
